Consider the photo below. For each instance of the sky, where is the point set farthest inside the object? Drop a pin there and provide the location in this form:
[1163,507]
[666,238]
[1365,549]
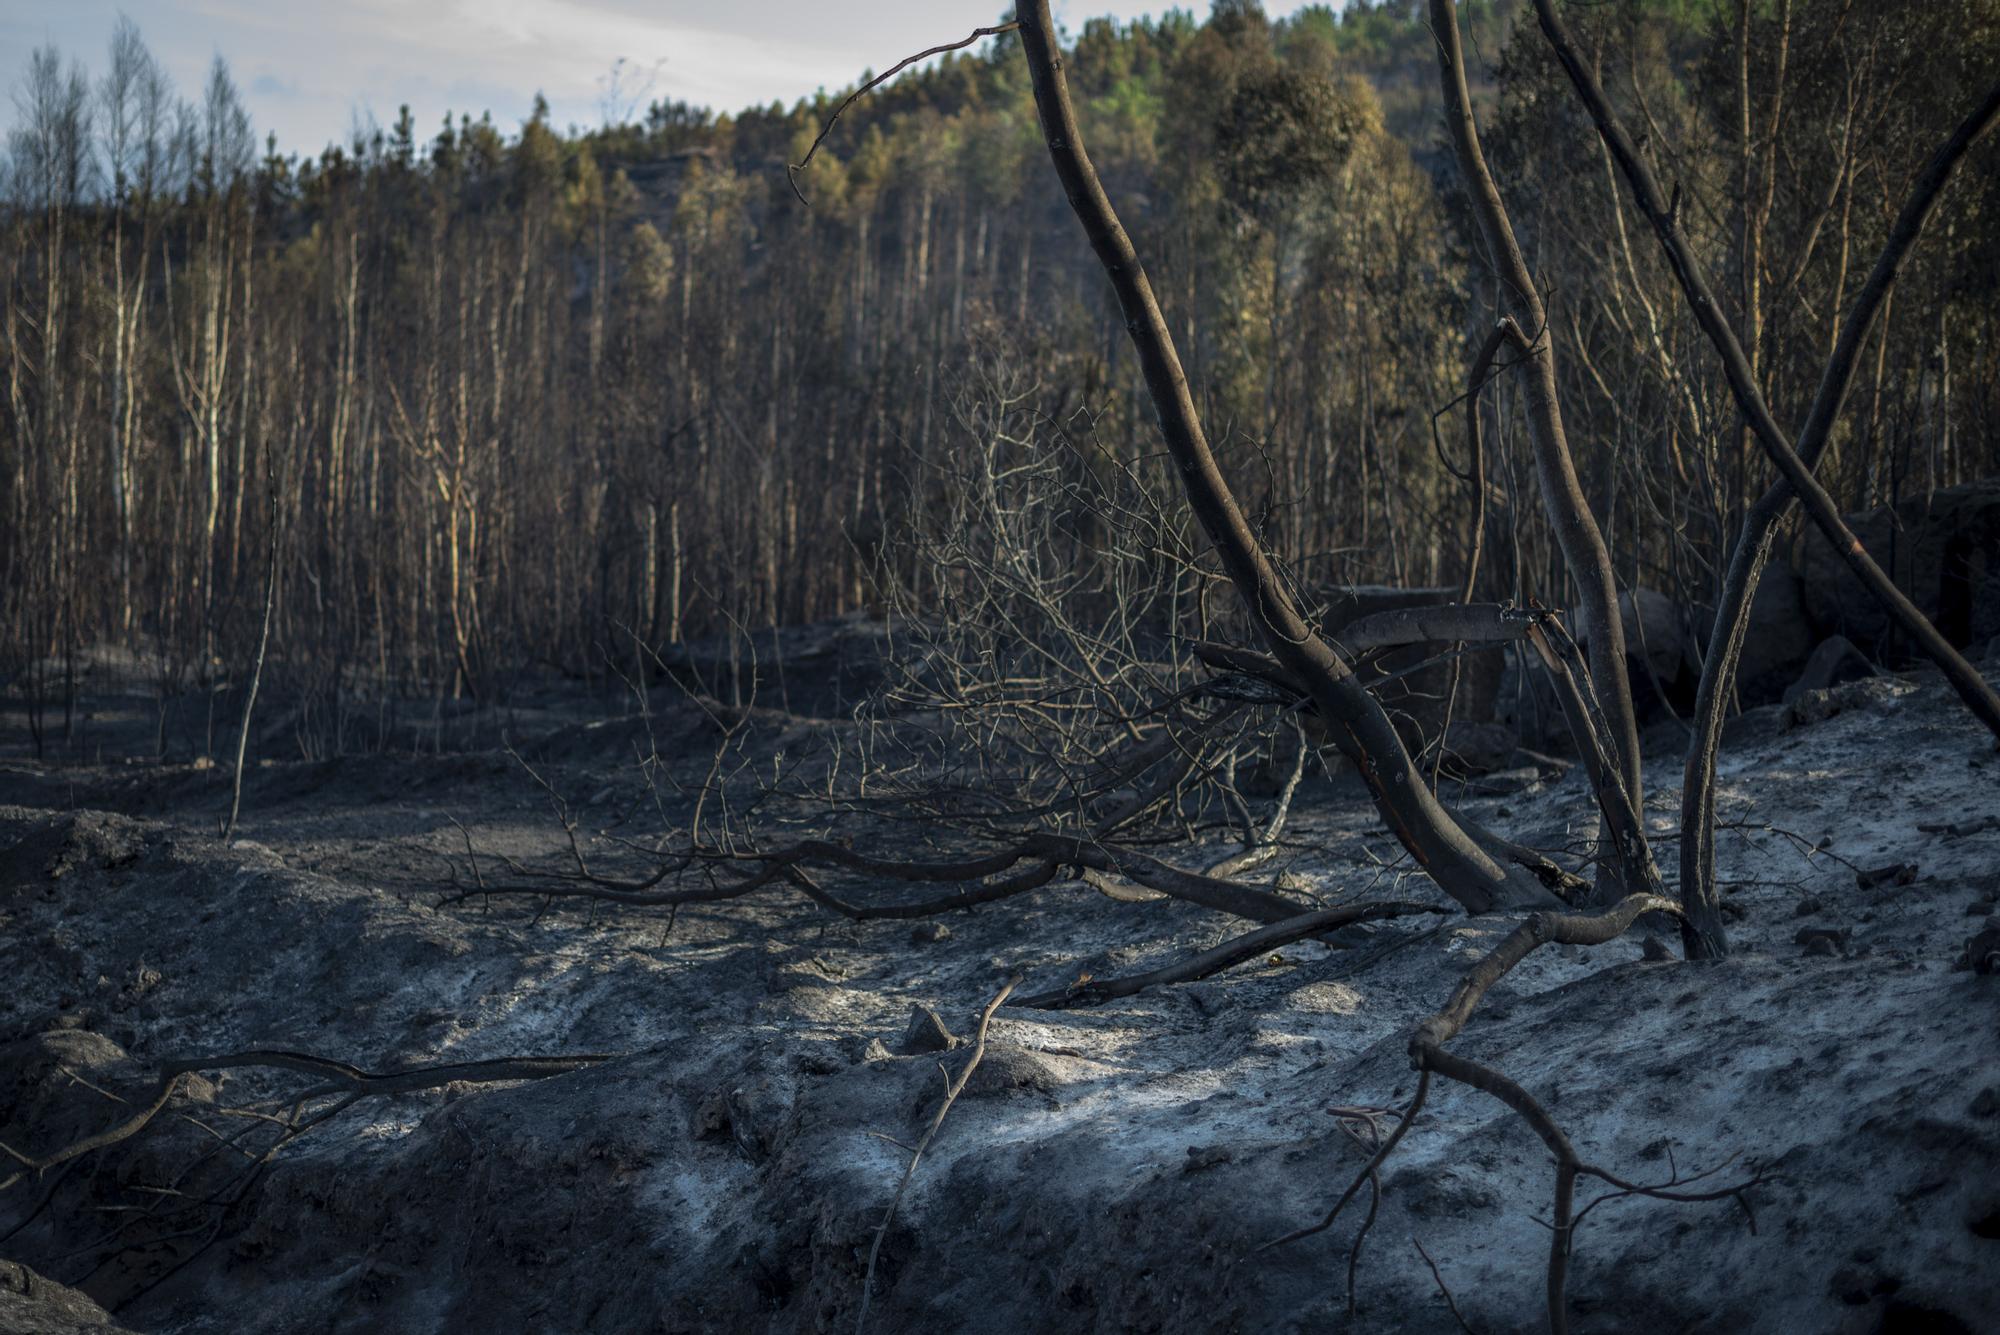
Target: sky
[312,70]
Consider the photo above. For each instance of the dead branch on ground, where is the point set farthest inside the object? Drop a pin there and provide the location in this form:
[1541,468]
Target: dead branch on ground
[954,1086]
[338,1077]
[1228,955]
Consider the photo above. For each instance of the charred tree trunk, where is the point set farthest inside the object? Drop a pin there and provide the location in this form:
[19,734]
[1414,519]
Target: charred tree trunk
[1357,722]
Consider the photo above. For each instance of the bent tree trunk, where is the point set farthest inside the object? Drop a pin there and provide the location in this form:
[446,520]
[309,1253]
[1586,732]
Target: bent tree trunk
[1702,931]
[1357,723]
[1577,534]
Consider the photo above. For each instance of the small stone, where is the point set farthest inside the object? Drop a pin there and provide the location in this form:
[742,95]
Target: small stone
[711,1117]
[1807,907]
[926,1032]
[1206,1156]
[1896,873]
[1986,1103]
[877,1051]
[1979,908]
[1982,952]
[927,933]
[1850,1285]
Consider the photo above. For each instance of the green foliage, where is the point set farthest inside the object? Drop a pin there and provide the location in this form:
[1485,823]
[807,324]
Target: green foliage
[532,358]
[1280,134]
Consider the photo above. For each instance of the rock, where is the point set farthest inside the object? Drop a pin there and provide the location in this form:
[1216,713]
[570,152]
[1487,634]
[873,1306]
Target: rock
[79,842]
[751,1114]
[926,1033]
[1857,1285]
[1833,662]
[1807,907]
[1668,737]
[33,1305]
[1982,952]
[1822,940]
[1753,725]
[1818,706]
[1778,640]
[1526,703]
[1660,670]
[710,1119]
[818,670]
[928,933]
[1505,782]
[1206,1156]
[1656,633]
[877,1051]
[1941,548]
[1660,662]
[1895,873]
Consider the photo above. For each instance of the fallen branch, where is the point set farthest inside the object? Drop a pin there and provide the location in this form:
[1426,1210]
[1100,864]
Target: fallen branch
[340,1077]
[1218,958]
[1041,847]
[1472,623]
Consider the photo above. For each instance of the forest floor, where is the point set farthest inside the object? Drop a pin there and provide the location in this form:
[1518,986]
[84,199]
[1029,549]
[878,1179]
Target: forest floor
[1110,1168]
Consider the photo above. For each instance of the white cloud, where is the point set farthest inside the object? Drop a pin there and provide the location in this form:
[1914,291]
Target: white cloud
[311,70]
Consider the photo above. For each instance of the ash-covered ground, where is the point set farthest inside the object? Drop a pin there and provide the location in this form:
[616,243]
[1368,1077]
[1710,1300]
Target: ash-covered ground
[1114,1168]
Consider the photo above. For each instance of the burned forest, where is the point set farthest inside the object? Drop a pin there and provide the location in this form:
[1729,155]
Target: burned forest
[1325,670]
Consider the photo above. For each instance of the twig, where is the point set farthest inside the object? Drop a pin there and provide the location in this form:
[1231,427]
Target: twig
[1368,1170]
[257,670]
[1438,1279]
[1361,1234]
[792,170]
[951,1093]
